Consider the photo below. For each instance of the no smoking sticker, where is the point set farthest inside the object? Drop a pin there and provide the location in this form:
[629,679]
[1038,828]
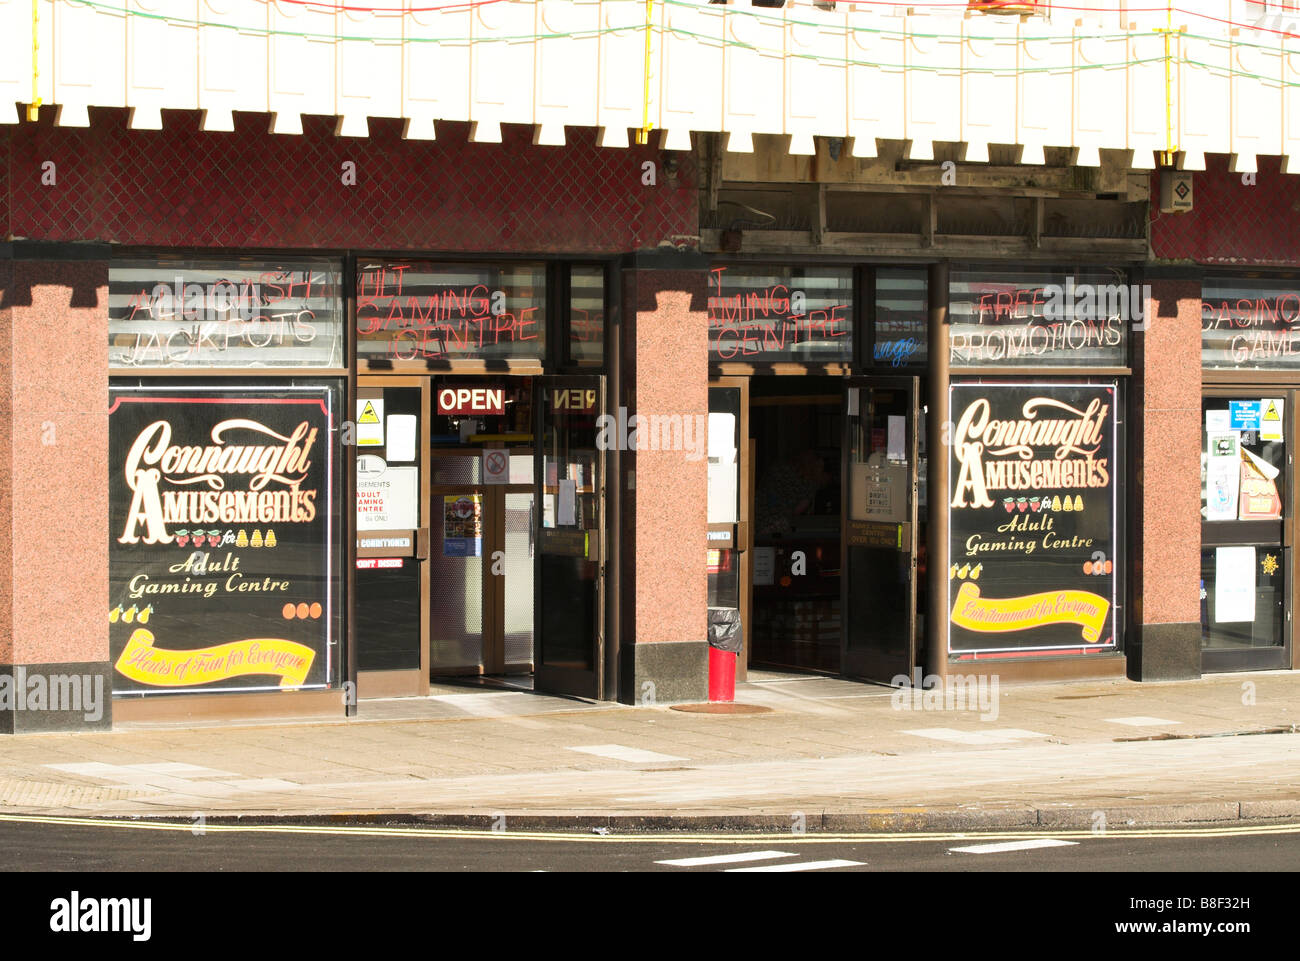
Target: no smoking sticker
[496,467]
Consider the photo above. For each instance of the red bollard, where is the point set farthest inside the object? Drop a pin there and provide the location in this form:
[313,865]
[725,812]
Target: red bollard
[722,675]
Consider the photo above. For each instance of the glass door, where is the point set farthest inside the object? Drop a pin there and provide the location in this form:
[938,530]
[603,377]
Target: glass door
[1246,529]
[880,527]
[569,584]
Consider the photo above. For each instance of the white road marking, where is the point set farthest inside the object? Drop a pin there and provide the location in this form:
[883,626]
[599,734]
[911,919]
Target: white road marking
[799,866]
[1141,721]
[1008,735]
[620,752]
[1001,846]
[728,858]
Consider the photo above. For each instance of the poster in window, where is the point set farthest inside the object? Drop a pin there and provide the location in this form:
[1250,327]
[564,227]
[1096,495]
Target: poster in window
[1031,504]
[462,525]
[224,538]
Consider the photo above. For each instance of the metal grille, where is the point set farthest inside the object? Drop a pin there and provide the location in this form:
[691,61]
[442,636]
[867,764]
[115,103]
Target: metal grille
[1231,222]
[183,187]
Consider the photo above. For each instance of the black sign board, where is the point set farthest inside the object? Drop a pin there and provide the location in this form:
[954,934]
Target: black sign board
[224,538]
[1031,514]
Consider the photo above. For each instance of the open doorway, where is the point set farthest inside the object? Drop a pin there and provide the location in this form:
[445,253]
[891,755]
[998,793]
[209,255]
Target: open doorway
[482,503]
[797,427]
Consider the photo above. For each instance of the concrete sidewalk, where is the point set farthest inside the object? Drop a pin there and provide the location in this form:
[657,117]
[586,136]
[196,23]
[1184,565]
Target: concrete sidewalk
[830,754]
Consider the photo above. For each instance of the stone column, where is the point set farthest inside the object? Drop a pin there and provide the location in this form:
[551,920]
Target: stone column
[54,657]
[1165,450]
[664,643]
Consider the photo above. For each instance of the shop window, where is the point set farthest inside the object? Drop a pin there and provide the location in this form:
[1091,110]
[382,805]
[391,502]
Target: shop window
[587,316]
[1042,316]
[1250,323]
[439,313]
[767,314]
[1243,507]
[901,317]
[232,314]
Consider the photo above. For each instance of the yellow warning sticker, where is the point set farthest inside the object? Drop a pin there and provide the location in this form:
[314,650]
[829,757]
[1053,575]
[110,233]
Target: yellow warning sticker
[370,422]
[1270,424]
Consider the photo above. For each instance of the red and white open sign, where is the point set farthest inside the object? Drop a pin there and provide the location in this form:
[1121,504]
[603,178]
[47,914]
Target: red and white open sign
[453,401]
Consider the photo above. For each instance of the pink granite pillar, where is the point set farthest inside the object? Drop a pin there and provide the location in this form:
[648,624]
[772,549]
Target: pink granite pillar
[665,374]
[1166,503]
[54,671]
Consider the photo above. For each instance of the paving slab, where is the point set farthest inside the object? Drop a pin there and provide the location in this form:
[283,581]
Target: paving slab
[837,754]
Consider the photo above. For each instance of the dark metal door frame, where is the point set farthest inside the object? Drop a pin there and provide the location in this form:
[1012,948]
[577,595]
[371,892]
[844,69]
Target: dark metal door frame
[551,678]
[873,665]
[1230,533]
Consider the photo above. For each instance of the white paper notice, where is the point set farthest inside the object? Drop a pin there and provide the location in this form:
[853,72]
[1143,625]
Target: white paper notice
[722,435]
[722,469]
[401,437]
[764,566]
[388,500]
[1216,421]
[567,508]
[1222,477]
[897,442]
[1234,584]
[1270,422]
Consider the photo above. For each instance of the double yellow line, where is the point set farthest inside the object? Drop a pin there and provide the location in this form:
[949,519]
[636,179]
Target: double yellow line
[359,830]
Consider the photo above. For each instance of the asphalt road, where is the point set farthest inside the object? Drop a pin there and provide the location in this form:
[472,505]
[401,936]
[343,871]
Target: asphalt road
[124,846]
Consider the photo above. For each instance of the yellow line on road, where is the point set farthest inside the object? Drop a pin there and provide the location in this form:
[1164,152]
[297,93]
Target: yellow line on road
[195,827]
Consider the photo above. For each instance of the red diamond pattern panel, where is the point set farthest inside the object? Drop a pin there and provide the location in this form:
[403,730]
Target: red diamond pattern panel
[183,187]
[1232,222]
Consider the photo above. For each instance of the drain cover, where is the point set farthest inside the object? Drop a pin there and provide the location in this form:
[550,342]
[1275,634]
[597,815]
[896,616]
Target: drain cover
[722,707]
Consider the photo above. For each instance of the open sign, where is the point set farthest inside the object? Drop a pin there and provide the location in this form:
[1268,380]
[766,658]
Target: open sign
[573,399]
[471,400]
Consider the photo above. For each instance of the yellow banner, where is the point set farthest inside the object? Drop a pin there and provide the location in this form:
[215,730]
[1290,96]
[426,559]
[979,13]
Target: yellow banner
[142,662]
[1084,608]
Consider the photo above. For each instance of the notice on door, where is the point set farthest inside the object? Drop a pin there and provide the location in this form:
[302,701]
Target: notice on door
[1270,422]
[388,500]
[496,467]
[1234,585]
[370,422]
[462,525]
[1222,476]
